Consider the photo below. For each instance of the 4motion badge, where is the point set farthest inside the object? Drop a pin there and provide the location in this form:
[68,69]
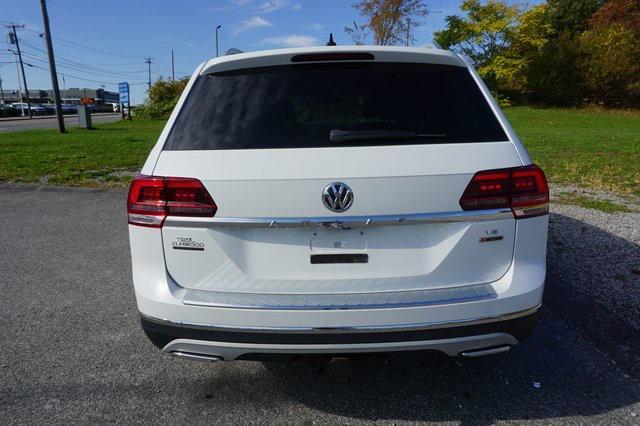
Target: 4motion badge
[491,235]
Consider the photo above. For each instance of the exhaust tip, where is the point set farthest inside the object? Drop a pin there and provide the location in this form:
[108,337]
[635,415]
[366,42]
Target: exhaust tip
[196,357]
[486,351]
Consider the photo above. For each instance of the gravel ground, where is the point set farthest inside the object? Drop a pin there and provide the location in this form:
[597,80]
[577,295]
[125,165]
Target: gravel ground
[72,349]
[630,201]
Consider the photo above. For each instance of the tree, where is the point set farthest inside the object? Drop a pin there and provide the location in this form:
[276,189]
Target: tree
[554,76]
[357,32]
[611,67]
[610,50]
[513,65]
[625,12]
[572,16]
[484,32]
[390,21]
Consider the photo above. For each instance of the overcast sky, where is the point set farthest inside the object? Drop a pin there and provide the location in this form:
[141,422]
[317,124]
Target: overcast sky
[104,42]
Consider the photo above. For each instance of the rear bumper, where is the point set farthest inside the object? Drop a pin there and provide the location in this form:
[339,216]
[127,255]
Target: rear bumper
[480,336]
[178,321]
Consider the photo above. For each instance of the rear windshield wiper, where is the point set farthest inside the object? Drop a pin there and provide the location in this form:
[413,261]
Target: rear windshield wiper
[337,135]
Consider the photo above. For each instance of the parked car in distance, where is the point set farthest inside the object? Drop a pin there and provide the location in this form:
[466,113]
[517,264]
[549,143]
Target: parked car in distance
[20,107]
[337,201]
[69,109]
[49,109]
[35,108]
[8,111]
[38,110]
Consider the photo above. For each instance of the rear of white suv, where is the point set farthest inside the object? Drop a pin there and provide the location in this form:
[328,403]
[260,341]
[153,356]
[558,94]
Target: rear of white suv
[337,201]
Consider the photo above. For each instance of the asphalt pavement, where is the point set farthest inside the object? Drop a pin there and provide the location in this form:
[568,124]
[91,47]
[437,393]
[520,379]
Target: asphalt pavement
[17,124]
[71,348]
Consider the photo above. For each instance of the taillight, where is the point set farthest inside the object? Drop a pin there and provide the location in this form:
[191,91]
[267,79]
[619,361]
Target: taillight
[153,198]
[333,56]
[524,190]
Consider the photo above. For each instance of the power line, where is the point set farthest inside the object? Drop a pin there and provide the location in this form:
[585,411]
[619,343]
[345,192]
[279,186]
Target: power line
[84,65]
[79,78]
[166,67]
[73,43]
[63,64]
[83,68]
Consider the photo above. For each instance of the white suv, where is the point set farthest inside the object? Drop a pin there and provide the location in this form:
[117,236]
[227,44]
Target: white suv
[337,200]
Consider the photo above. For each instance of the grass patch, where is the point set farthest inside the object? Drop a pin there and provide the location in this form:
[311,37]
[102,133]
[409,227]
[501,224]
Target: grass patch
[80,157]
[584,147]
[591,203]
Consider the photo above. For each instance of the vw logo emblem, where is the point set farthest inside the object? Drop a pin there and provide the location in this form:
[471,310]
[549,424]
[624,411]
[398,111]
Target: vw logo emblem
[337,197]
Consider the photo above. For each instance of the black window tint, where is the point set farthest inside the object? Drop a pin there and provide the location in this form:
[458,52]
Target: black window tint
[296,106]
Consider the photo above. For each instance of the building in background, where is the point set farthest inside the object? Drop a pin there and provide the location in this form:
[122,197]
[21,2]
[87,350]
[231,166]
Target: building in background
[69,96]
[35,96]
[74,96]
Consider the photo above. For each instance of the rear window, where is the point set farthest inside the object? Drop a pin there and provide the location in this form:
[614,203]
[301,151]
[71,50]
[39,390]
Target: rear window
[298,106]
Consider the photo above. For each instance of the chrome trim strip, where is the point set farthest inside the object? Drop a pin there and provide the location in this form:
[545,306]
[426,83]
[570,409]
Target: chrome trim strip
[357,329]
[342,222]
[342,301]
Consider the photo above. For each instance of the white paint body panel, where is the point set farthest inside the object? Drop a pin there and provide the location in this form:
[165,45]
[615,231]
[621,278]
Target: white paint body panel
[158,296]
[386,180]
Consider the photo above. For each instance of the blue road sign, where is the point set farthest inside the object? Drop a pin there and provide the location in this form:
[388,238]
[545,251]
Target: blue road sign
[123,89]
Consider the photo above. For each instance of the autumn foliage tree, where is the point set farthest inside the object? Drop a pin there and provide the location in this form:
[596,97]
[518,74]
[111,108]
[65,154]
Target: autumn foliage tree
[611,47]
[389,21]
[559,52]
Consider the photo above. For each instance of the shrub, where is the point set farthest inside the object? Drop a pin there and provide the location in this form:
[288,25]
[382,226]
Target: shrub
[162,98]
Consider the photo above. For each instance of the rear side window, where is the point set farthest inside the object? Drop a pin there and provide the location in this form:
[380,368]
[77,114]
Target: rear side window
[298,106]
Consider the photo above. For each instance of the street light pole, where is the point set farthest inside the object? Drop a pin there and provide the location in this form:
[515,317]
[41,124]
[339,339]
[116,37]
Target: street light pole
[173,70]
[52,66]
[217,28]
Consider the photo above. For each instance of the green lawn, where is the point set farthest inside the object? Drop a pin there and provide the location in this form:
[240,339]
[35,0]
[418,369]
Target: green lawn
[80,157]
[596,149]
[587,148]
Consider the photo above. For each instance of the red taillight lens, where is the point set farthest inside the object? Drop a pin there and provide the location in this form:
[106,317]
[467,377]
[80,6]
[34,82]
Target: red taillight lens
[153,198]
[522,189]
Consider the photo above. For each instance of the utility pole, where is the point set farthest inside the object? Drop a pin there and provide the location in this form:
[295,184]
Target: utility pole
[217,28]
[14,40]
[15,55]
[173,71]
[1,91]
[52,66]
[147,61]
[408,30]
